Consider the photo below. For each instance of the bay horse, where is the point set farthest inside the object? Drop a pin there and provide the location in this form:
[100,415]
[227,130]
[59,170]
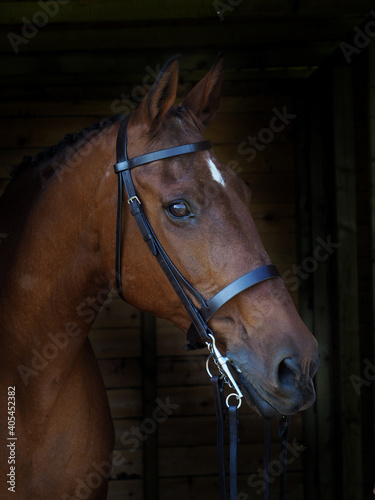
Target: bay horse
[59,215]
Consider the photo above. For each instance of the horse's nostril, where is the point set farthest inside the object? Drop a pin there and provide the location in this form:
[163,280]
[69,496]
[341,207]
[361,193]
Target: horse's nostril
[289,373]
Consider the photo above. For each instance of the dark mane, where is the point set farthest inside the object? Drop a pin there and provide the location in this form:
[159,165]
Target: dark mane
[51,152]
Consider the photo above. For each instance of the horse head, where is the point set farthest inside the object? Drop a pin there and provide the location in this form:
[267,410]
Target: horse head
[199,210]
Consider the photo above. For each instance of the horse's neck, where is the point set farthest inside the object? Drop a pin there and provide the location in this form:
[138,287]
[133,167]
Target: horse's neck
[54,266]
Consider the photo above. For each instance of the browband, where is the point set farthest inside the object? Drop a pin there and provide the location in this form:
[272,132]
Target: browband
[161,154]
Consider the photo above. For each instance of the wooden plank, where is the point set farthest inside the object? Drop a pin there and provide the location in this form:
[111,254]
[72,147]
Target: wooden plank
[68,107]
[280,247]
[201,460]
[99,37]
[206,488]
[124,372]
[371,66]
[274,218]
[200,488]
[125,403]
[181,370]
[200,430]
[37,132]
[344,165]
[176,401]
[129,489]
[243,126]
[94,107]
[188,401]
[273,188]
[115,11]
[149,395]
[276,157]
[128,463]
[298,59]
[103,86]
[96,11]
[116,343]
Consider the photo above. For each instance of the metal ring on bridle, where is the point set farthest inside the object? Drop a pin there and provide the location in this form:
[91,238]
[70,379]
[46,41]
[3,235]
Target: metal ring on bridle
[222,364]
[239,399]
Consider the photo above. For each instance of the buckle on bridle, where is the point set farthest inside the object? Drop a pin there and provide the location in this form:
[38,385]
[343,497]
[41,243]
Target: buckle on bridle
[132,199]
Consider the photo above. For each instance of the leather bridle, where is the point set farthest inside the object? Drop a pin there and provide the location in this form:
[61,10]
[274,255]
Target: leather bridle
[199,334]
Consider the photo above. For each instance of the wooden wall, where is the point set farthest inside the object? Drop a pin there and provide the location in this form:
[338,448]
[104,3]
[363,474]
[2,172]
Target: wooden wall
[83,65]
[179,454]
[335,156]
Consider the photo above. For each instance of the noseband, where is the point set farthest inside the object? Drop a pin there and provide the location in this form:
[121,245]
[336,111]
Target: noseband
[199,334]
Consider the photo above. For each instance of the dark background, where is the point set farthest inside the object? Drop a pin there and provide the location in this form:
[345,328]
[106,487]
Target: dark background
[66,64]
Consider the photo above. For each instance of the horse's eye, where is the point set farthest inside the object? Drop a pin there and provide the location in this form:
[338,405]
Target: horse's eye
[179,209]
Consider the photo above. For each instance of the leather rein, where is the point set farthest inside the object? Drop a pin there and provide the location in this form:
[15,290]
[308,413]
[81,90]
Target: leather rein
[199,334]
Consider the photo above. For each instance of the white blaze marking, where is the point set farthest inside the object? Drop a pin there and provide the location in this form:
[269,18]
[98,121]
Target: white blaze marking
[215,172]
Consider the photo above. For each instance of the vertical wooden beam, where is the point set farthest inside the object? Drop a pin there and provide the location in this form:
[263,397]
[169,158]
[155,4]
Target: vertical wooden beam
[149,395]
[315,296]
[371,64]
[347,330]
[305,291]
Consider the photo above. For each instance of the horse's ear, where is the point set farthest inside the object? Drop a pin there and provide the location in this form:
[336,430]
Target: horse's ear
[203,100]
[161,96]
